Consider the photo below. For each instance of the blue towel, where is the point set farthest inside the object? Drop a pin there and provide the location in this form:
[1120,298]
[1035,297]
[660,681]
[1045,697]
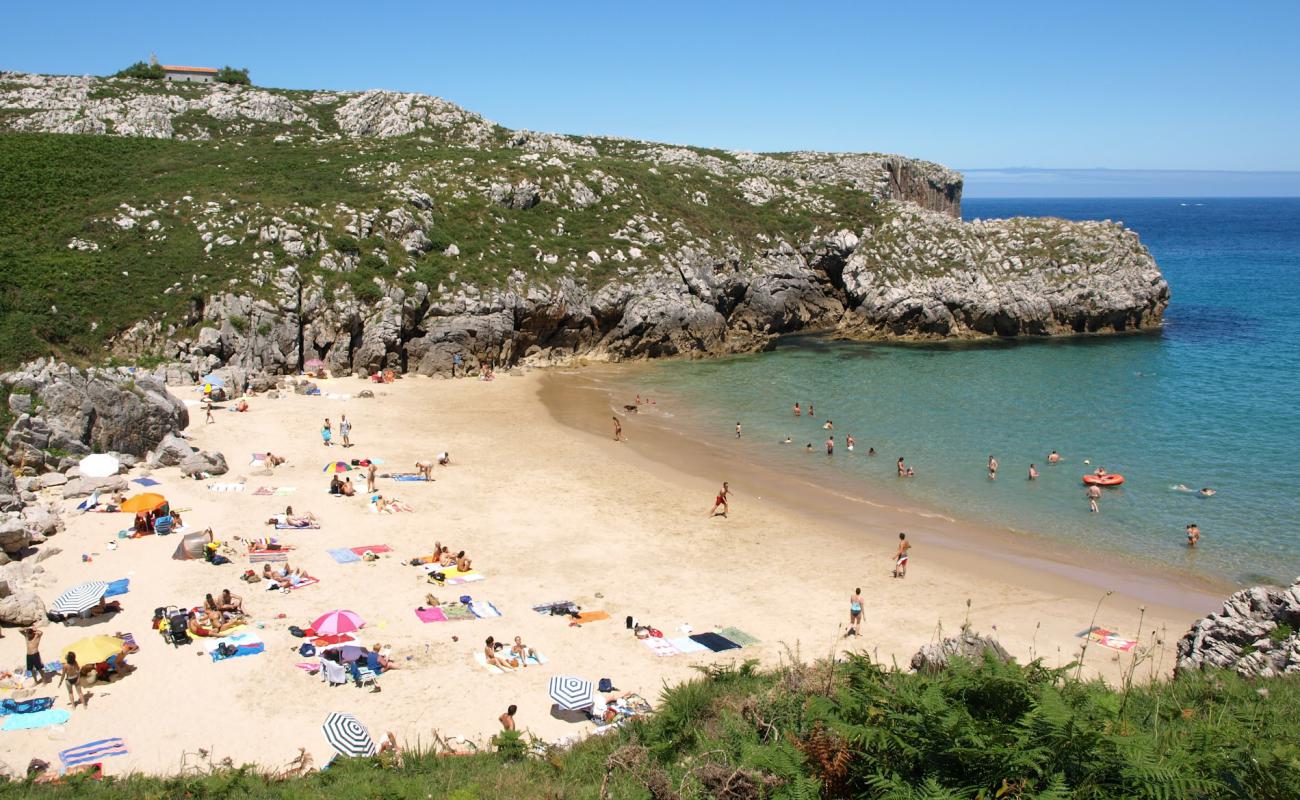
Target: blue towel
[38,719]
[145,481]
[93,751]
[25,706]
[343,555]
[120,586]
[409,478]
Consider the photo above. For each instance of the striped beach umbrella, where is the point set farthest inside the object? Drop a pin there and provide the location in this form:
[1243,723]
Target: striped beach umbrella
[79,597]
[337,466]
[571,693]
[348,736]
[338,621]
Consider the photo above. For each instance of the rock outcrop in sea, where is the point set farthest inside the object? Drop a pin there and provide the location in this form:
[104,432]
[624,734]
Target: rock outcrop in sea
[512,246]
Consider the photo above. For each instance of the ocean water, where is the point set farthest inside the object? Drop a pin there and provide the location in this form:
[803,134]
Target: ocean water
[1213,400]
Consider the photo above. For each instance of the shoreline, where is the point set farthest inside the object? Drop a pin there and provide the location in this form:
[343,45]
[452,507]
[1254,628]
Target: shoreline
[841,503]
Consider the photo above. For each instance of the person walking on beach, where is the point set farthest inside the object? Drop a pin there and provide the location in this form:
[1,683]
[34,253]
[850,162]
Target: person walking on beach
[1193,535]
[72,677]
[34,664]
[507,719]
[797,411]
[345,430]
[370,478]
[855,613]
[1053,458]
[830,446]
[618,430]
[326,432]
[1094,494]
[738,430]
[1033,472]
[993,468]
[900,557]
[207,409]
[721,500]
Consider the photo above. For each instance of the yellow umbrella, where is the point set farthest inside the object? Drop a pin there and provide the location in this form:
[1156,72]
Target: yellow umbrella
[147,501]
[94,649]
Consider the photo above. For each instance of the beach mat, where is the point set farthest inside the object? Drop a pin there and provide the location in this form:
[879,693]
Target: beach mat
[36,719]
[343,555]
[686,644]
[739,637]
[146,481]
[119,586]
[264,491]
[453,576]
[267,556]
[374,548]
[246,644]
[715,641]
[480,658]
[407,477]
[91,752]
[428,615]
[225,487]
[1107,638]
[545,608]
[458,613]
[30,706]
[660,646]
[590,616]
[285,490]
[483,609]
[280,526]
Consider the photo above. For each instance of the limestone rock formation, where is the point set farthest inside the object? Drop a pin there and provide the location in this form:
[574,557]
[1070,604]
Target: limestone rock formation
[1257,634]
[171,451]
[204,463]
[968,645]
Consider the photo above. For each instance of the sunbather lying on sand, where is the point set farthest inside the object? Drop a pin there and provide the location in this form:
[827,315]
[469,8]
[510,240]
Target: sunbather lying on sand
[272,460]
[207,625]
[285,576]
[463,562]
[522,651]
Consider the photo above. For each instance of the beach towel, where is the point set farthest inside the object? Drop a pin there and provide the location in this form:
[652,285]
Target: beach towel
[562,606]
[484,609]
[91,752]
[36,719]
[458,613]
[660,646]
[428,615]
[145,481]
[407,476]
[225,487]
[119,586]
[264,491]
[310,667]
[343,555]
[480,658]
[590,616]
[282,526]
[715,641]
[453,576]
[305,582]
[739,637]
[30,706]
[1108,638]
[373,548]
[267,556]
[246,644]
[686,644]
[285,490]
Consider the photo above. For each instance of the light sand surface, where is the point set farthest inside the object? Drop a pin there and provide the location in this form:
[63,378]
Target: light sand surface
[548,511]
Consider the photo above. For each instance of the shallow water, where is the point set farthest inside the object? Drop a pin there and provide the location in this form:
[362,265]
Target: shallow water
[1212,400]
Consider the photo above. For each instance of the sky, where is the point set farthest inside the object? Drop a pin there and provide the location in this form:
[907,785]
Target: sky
[1152,87]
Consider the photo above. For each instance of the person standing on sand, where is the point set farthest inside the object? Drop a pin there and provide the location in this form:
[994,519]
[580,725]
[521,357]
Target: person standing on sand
[71,675]
[721,500]
[618,430]
[1094,494]
[993,468]
[830,446]
[900,557]
[1193,535]
[507,719]
[855,613]
[737,430]
[370,477]
[345,430]
[207,409]
[34,664]
[326,432]
[1053,457]
[1033,472]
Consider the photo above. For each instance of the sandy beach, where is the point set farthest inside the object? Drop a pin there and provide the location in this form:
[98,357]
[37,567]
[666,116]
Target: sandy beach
[550,508]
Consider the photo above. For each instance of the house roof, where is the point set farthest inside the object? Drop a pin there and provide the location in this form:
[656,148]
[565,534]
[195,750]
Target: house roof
[174,68]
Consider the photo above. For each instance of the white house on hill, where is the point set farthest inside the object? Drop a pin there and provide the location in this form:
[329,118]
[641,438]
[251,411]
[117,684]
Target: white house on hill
[190,74]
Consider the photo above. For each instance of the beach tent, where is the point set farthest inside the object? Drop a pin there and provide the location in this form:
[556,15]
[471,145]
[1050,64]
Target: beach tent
[191,547]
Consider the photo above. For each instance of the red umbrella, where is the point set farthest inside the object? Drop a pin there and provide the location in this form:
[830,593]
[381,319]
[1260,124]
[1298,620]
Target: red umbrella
[338,621]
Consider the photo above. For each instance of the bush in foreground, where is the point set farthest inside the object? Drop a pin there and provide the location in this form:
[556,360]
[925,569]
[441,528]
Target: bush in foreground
[847,730]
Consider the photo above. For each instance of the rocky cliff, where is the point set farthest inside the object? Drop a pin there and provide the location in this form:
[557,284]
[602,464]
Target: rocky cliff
[394,230]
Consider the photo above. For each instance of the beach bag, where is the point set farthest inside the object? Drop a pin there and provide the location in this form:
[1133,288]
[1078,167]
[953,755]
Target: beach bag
[226,650]
[308,649]
[54,616]
[606,685]
[631,623]
[466,599]
[356,462]
[294,630]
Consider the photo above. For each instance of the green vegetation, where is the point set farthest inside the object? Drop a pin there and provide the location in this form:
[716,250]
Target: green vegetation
[142,71]
[229,74]
[849,730]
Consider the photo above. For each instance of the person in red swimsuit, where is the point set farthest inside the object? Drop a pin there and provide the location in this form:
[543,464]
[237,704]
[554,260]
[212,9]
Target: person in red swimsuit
[721,500]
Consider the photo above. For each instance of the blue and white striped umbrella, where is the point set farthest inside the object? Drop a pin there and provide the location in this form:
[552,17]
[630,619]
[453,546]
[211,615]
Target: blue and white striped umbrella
[348,736]
[79,597]
[571,693]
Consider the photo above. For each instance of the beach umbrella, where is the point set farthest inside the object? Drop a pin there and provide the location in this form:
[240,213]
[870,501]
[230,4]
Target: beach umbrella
[337,466]
[79,597]
[314,362]
[94,649]
[348,736]
[215,380]
[99,465]
[338,621]
[145,501]
[571,693]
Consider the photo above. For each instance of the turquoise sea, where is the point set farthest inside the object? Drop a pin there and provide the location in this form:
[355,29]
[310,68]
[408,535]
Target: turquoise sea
[1211,400]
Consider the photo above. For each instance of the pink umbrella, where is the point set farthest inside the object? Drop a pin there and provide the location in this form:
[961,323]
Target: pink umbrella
[338,621]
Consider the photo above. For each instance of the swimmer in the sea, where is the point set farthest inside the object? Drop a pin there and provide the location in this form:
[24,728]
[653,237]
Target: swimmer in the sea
[1208,492]
[1193,535]
[1181,487]
[1033,472]
[1053,457]
[787,440]
[848,442]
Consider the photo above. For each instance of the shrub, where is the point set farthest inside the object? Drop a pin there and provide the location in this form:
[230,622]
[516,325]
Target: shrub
[142,71]
[229,74]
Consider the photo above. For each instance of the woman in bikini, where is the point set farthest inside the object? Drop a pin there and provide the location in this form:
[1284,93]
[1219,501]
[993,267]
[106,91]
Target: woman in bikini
[72,677]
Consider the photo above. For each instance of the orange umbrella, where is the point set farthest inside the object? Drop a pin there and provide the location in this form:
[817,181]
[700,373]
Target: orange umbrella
[147,501]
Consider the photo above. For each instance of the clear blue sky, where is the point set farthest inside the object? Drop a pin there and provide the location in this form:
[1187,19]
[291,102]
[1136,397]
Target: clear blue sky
[1129,85]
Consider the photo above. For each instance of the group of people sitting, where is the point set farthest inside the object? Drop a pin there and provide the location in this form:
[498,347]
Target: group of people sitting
[443,557]
[376,659]
[342,487]
[510,658]
[218,614]
[160,520]
[284,576]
